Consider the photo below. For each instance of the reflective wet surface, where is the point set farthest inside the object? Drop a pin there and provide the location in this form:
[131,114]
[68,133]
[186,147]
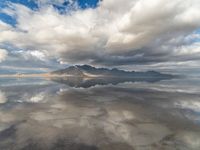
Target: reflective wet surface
[43,114]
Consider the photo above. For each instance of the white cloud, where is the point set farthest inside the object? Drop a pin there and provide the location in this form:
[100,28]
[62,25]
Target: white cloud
[32,54]
[193,49]
[3,54]
[154,30]
[4,26]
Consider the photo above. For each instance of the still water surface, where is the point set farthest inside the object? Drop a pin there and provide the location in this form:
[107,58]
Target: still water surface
[79,114]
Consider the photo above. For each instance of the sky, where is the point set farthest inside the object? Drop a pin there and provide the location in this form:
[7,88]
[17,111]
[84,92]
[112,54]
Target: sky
[44,35]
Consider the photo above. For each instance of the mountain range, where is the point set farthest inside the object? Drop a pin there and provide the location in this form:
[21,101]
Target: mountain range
[90,71]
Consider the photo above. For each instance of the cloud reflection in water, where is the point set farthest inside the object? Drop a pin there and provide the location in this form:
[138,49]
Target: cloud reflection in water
[124,116]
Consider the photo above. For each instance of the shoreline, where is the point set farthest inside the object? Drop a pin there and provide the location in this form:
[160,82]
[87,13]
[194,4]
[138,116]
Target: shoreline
[43,75]
[22,75]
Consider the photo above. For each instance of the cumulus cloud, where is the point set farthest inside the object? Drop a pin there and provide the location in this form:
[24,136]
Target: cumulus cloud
[3,54]
[115,33]
[32,55]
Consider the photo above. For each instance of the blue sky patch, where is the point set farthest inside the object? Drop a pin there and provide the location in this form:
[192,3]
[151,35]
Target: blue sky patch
[88,3]
[84,4]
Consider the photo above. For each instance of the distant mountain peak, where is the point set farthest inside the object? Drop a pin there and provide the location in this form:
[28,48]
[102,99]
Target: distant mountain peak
[90,71]
[85,67]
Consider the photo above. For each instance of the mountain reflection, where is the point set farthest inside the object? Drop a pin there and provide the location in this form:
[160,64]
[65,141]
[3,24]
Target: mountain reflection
[89,82]
[140,115]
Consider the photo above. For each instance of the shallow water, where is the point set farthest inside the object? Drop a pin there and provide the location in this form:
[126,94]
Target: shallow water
[77,114]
